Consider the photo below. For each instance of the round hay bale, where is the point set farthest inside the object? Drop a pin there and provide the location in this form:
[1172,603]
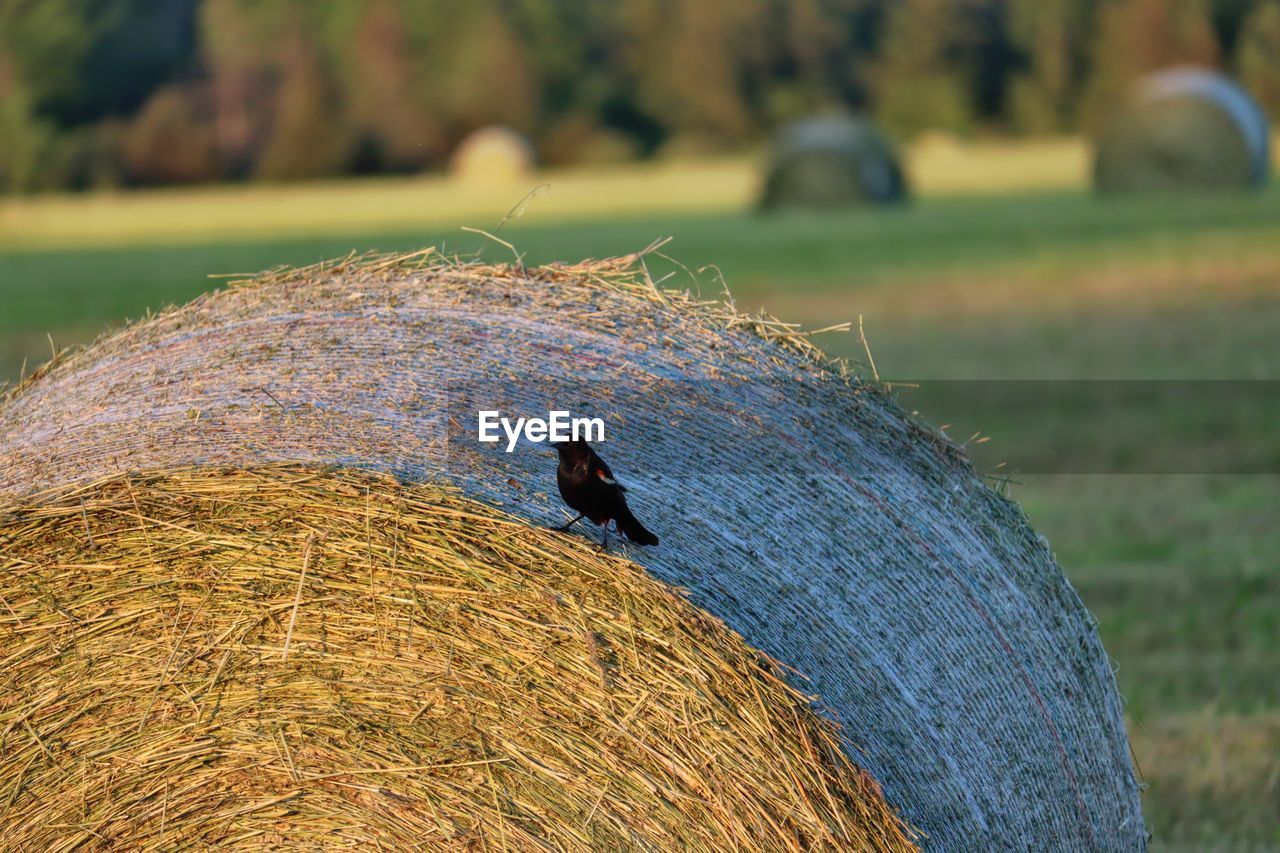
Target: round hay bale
[285,656]
[1184,129]
[492,155]
[831,162]
[799,505]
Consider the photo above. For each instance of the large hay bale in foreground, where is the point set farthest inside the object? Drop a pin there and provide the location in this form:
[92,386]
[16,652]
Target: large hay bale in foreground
[289,657]
[492,155]
[799,505]
[1186,128]
[830,162]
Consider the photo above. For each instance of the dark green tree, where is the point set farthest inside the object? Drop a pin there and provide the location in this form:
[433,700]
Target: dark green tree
[308,136]
[1053,38]
[918,85]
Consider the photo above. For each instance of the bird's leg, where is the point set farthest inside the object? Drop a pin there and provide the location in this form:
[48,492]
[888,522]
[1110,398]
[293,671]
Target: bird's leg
[604,536]
[565,529]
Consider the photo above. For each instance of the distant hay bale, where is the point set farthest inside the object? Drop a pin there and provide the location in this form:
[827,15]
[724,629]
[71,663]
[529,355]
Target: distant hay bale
[830,162]
[798,504]
[287,657]
[1187,129]
[492,155]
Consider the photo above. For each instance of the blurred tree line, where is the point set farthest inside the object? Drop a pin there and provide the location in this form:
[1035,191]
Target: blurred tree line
[108,92]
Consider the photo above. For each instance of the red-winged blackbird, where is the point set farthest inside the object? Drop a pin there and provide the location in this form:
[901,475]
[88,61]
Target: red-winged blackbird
[588,487]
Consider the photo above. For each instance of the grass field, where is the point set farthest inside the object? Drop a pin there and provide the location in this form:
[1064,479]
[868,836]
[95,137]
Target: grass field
[379,205]
[1043,283]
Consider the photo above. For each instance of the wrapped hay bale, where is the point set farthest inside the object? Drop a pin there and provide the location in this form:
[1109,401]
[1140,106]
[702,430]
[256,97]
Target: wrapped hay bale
[492,155]
[832,161]
[799,505]
[284,656]
[1186,128]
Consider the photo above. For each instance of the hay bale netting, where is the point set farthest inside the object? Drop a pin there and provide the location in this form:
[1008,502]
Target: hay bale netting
[798,505]
[492,155]
[1186,128]
[832,161]
[289,657]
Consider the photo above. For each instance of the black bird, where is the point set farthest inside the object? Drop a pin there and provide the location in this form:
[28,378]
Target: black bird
[588,487]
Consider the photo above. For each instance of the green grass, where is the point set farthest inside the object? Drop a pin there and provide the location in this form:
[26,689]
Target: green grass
[1181,573]
[359,208]
[1202,338]
[868,257]
[1180,569]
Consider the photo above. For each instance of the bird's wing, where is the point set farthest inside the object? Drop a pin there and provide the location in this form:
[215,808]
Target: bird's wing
[600,469]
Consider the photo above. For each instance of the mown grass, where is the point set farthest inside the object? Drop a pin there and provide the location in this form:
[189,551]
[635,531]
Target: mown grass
[1181,572]
[1180,568]
[363,208]
[890,265]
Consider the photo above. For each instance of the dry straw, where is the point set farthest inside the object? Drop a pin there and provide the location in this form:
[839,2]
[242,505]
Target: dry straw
[796,503]
[289,656]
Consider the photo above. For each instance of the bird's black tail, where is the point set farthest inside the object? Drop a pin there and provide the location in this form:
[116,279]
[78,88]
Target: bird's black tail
[634,530]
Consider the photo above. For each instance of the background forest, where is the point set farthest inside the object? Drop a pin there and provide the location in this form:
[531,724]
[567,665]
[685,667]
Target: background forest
[97,93]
